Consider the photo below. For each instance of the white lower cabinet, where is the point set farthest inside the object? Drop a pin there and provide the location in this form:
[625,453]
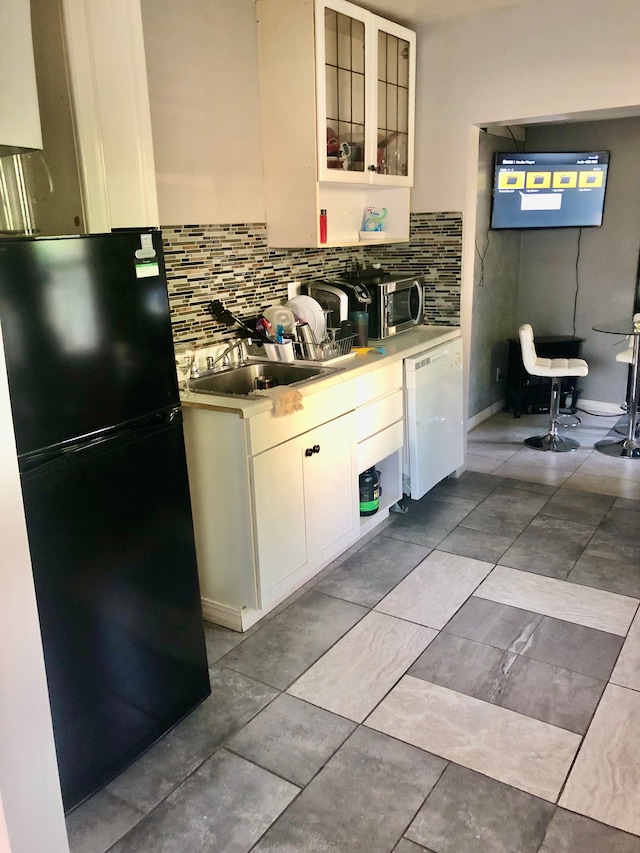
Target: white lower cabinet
[304,504]
[275,499]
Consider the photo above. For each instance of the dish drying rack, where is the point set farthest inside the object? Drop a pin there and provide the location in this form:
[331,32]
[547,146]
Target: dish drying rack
[330,349]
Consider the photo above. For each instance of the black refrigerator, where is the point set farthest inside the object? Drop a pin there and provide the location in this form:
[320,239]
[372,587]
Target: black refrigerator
[92,380]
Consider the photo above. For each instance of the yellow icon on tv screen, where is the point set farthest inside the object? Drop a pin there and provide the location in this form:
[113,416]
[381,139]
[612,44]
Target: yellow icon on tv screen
[591,179]
[538,180]
[511,181]
[565,180]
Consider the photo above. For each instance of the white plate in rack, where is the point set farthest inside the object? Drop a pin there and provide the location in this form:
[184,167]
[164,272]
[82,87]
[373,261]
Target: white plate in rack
[309,310]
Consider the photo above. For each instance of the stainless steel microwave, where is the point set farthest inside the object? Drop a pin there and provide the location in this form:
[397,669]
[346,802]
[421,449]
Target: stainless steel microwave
[394,303]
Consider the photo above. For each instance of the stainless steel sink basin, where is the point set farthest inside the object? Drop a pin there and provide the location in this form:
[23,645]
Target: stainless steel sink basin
[240,381]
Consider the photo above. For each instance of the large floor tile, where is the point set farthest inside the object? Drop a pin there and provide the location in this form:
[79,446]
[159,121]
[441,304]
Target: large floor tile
[604,485]
[464,665]
[428,521]
[572,833]
[472,813]
[627,503]
[406,846]
[480,464]
[472,485]
[99,822]
[556,696]
[226,804]
[610,466]
[573,505]
[506,511]
[529,486]
[627,669]
[574,647]
[604,611]
[289,643]
[491,447]
[356,673]
[234,700]
[618,537]
[433,592]
[605,780]
[533,472]
[368,575]
[548,546]
[291,738]
[525,753]
[612,575]
[494,624]
[219,641]
[476,543]
[361,802]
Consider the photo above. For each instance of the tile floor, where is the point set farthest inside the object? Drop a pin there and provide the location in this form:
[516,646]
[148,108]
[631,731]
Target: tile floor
[467,681]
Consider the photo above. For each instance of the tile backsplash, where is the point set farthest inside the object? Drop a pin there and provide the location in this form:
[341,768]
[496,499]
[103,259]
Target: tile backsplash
[233,263]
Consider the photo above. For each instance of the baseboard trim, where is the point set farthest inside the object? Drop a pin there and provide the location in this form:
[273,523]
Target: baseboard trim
[223,614]
[485,414]
[600,408]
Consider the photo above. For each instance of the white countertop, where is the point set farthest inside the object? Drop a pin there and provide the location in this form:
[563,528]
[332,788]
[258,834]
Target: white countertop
[396,348]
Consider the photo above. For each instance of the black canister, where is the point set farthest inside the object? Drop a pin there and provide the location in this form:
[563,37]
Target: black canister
[369,482]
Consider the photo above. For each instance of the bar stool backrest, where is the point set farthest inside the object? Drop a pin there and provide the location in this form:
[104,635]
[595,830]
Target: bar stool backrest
[527,345]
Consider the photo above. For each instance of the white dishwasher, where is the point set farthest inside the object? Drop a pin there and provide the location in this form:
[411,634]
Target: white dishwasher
[434,422]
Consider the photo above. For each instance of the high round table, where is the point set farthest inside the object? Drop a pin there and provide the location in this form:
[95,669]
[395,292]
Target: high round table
[629,447]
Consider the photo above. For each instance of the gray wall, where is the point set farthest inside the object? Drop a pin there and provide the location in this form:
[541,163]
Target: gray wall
[494,290]
[608,262]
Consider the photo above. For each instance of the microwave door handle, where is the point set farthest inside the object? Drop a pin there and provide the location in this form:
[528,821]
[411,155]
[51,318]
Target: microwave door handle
[416,319]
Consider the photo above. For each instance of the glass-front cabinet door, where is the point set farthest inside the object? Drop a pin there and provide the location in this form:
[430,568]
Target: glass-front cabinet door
[365,94]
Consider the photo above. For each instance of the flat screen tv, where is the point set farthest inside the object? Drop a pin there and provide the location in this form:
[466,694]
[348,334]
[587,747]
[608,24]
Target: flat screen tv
[549,190]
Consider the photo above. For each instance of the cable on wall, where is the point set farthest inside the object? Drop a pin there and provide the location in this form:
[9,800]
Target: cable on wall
[515,141]
[575,298]
[481,257]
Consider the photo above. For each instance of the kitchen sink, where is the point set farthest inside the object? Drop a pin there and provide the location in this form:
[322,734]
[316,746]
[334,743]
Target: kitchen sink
[240,381]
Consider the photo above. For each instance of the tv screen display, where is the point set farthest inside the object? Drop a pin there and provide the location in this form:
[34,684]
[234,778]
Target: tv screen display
[558,190]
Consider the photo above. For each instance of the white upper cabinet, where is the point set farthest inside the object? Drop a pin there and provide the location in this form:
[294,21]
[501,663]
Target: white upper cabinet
[19,114]
[365,80]
[337,92]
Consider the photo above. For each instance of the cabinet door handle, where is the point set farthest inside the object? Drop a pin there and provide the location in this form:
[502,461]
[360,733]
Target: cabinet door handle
[316,448]
[311,450]
[373,168]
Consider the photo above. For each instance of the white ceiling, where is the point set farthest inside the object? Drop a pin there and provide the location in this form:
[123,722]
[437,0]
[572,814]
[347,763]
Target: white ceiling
[418,13]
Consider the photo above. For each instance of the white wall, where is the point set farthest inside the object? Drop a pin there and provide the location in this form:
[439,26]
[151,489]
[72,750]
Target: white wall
[549,60]
[202,61]
[29,785]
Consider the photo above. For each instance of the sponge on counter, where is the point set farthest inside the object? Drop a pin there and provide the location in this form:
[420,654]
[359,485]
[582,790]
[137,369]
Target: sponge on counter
[362,350]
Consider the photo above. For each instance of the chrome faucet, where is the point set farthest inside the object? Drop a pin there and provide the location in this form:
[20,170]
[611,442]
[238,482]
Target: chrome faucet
[225,357]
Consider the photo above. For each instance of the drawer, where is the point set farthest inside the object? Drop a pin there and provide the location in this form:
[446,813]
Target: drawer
[319,407]
[378,415]
[377,383]
[379,446]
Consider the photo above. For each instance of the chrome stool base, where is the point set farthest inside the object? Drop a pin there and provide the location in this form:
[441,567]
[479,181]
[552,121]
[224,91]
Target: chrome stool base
[569,420]
[621,449]
[554,443]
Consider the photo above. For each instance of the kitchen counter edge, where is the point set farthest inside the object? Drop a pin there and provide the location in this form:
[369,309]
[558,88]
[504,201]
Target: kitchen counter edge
[396,348]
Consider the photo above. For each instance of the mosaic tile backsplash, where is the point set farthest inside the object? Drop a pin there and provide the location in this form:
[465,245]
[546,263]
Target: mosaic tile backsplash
[233,263]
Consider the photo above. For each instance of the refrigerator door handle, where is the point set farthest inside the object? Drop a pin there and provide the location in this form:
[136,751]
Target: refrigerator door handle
[56,457]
